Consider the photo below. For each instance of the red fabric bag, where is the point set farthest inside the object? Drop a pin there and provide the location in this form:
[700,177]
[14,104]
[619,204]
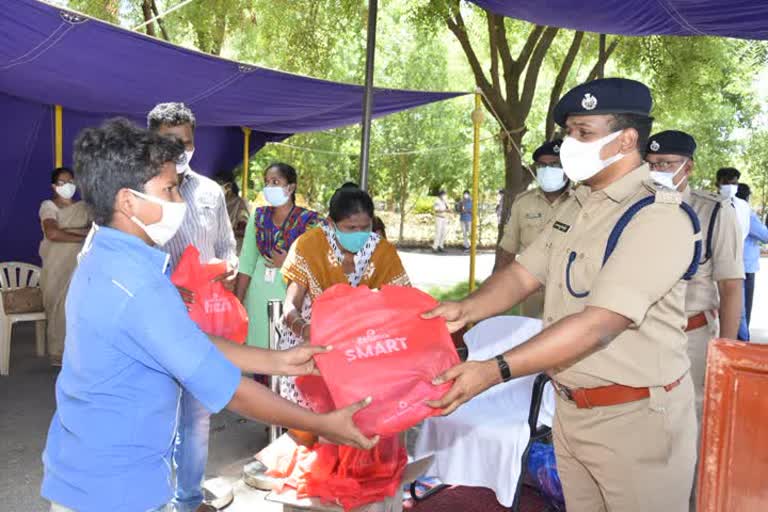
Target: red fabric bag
[338,474]
[216,310]
[381,348]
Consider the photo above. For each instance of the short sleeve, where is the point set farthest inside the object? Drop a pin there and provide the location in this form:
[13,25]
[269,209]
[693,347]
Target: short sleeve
[650,258]
[159,325]
[48,210]
[535,257]
[295,267]
[510,241]
[391,271]
[225,245]
[727,246]
[249,254]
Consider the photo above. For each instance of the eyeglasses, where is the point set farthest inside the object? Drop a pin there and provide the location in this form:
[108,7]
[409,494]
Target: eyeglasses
[557,165]
[666,165]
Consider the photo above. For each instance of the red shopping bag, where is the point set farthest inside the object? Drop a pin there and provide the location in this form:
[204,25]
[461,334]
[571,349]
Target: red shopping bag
[381,348]
[216,310]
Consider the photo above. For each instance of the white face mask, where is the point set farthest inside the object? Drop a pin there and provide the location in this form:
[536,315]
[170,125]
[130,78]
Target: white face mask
[667,179]
[182,165]
[550,179]
[728,191]
[163,230]
[66,190]
[275,196]
[581,160]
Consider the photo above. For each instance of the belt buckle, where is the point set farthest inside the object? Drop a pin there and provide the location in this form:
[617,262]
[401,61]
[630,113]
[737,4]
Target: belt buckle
[564,392]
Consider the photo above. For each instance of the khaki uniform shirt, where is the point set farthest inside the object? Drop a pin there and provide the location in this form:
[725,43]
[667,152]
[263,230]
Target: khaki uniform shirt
[530,212]
[726,261]
[642,280]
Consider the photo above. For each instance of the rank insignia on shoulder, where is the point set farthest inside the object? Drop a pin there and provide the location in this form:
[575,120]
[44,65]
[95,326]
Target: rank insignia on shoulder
[668,196]
[560,226]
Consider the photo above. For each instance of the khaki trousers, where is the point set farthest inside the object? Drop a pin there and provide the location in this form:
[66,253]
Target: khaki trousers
[698,342]
[634,457]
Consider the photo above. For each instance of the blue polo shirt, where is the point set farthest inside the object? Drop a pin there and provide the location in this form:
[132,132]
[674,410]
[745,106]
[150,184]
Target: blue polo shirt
[130,348]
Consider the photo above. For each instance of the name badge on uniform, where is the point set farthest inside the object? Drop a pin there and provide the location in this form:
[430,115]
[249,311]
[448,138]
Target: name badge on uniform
[561,226]
[534,215]
[269,274]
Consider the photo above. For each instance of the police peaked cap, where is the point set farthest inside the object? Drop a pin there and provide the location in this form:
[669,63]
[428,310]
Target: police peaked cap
[604,96]
[672,142]
[550,148]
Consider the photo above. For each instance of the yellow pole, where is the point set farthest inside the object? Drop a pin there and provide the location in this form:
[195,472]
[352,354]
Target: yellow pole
[58,129]
[246,161]
[477,120]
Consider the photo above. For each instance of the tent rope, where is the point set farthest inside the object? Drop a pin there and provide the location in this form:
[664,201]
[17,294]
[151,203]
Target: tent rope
[162,14]
[389,153]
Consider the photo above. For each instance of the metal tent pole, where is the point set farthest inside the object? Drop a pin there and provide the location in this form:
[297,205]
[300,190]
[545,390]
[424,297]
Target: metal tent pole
[373,7]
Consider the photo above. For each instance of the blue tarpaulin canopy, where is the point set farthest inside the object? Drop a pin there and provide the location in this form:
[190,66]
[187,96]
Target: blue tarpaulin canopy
[746,19]
[95,70]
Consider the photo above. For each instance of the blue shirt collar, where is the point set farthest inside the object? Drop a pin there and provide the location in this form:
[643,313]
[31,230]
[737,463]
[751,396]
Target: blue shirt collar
[110,238]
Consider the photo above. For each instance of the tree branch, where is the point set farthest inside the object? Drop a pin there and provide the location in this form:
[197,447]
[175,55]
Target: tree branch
[494,53]
[160,21]
[532,73]
[560,80]
[530,44]
[459,30]
[499,36]
[146,10]
[601,62]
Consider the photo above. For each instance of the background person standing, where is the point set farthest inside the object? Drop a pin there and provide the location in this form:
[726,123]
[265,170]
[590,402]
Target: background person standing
[206,225]
[713,297]
[65,223]
[758,234]
[531,212]
[465,217]
[441,211]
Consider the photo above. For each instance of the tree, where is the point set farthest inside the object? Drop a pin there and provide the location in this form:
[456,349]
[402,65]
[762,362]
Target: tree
[510,82]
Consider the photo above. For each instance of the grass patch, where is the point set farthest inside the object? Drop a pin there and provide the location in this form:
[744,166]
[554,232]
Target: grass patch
[459,291]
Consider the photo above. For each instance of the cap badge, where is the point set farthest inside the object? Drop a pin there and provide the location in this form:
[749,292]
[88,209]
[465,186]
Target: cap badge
[589,102]
[655,146]
[556,149]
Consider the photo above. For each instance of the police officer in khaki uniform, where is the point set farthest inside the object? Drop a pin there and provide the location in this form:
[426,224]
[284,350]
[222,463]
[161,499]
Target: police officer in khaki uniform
[614,313]
[531,211]
[714,296]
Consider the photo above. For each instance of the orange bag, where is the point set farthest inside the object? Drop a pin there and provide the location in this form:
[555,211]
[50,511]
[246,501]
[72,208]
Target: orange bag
[381,348]
[337,474]
[216,310]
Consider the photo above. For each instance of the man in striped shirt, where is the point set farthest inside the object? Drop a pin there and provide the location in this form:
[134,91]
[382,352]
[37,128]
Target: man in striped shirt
[206,226]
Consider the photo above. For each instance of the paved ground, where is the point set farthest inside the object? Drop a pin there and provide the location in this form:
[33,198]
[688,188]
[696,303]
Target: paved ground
[27,401]
[428,270]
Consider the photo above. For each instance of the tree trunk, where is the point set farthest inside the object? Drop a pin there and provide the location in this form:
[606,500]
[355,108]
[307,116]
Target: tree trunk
[146,10]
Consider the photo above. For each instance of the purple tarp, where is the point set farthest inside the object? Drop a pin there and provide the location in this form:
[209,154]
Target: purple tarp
[95,70]
[745,19]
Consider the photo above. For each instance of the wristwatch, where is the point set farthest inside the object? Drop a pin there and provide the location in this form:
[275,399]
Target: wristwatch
[506,375]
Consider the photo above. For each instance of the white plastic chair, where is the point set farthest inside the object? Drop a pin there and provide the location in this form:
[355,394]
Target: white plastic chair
[14,275]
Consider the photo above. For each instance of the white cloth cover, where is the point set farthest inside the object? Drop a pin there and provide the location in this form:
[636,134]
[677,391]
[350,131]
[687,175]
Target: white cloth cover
[482,443]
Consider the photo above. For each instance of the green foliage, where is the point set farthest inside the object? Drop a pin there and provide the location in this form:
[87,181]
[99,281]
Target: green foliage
[424,205]
[460,291]
[702,85]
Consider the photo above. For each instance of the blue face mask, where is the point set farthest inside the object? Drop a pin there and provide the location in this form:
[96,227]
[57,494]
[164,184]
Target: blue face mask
[353,241]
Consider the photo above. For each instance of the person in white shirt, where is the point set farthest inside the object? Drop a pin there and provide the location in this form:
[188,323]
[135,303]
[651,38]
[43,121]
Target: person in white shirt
[727,184]
[441,211]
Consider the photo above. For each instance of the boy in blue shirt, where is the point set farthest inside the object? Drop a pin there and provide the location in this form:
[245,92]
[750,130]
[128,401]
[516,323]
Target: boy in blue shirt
[131,346]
